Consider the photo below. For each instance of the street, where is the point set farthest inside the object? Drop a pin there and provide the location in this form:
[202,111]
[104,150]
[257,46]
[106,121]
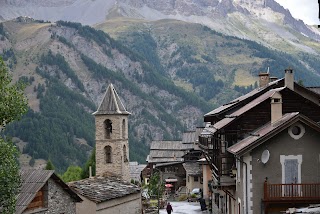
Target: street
[184,207]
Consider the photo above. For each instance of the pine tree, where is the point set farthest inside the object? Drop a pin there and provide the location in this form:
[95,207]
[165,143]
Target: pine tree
[49,165]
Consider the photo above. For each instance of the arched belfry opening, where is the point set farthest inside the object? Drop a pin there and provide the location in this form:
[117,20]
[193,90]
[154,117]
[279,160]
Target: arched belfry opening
[125,156]
[108,154]
[108,128]
[123,128]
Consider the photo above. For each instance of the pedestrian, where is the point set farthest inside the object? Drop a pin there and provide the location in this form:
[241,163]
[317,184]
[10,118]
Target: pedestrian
[203,204]
[169,208]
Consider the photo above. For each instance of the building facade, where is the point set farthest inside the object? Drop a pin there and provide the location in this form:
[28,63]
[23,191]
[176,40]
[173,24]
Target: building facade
[232,149]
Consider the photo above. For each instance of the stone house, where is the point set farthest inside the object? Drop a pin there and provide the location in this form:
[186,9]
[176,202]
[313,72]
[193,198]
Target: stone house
[278,120]
[43,192]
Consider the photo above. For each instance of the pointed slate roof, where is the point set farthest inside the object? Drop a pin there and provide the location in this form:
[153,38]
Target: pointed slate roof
[111,103]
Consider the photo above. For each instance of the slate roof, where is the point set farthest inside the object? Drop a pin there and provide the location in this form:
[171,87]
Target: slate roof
[111,103]
[32,181]
[168,145]
[167,151]
[234,104]
[314,89]
[165,156]
[103,188]
[268,130]
[192,168]
[191,136]
[225,121]
[135,170]
[242,98]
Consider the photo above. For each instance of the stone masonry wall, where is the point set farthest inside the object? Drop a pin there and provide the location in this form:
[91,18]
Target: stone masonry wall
[59,201]
[118,139]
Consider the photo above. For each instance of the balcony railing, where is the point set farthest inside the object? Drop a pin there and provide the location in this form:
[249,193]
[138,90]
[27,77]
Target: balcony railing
[291,192]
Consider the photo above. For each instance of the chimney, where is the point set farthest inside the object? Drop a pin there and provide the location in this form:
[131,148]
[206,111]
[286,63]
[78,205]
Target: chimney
[276,107]
[263,79]
[289,78]
[273,79]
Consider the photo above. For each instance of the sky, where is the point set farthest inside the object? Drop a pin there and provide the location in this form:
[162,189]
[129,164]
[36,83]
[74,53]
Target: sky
[306,10]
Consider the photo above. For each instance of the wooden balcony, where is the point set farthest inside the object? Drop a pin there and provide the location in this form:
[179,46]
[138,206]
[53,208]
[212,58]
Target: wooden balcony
[281,193]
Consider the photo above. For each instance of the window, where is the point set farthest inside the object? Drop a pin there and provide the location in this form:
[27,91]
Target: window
[125,157]
[108,128]
[108,152]
[196,178]
[123,128]
[296,131]
[291,173]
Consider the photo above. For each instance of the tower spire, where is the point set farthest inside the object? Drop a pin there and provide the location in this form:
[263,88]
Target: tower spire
[111,103]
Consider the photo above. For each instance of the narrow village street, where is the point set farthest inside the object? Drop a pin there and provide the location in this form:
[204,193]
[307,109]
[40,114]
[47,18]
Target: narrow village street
[184,207]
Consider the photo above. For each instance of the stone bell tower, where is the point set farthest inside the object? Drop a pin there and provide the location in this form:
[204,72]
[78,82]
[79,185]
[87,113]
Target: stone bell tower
[112,147]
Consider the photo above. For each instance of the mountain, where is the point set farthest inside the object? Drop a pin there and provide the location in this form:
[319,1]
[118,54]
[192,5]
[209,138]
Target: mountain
[168,69]
[67,68]
[264,21]
[169,73]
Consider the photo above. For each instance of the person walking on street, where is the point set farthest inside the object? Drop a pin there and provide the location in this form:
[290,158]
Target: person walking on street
[169,208]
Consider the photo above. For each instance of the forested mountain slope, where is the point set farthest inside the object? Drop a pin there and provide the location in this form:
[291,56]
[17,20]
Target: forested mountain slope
[168,73]
[209,63]
[67,68]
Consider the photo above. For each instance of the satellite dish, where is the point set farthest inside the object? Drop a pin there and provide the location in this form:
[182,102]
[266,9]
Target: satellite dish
[265,156]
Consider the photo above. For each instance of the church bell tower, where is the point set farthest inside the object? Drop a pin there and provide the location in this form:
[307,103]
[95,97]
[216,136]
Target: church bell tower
[112,147]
